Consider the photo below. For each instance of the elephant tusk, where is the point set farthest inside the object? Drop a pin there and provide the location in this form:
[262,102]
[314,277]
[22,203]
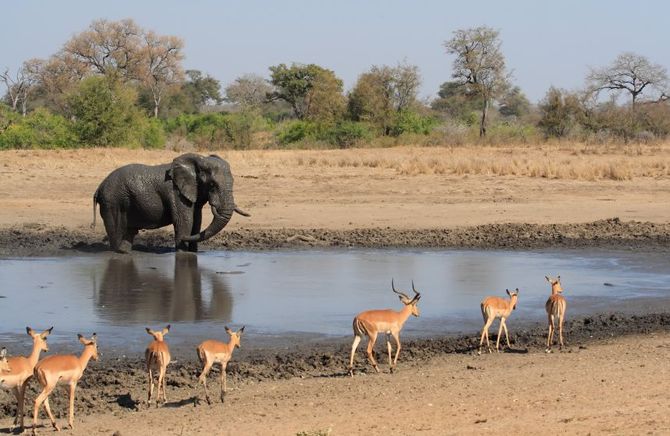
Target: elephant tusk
[241,212]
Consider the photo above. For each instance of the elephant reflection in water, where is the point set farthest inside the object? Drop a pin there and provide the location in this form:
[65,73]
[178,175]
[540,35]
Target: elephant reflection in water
[131,293]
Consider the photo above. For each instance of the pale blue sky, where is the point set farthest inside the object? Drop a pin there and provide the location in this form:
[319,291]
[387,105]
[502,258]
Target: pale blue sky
[545,43]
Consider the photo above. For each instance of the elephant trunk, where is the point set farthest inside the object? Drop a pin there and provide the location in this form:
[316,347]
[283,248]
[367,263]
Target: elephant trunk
[219,221]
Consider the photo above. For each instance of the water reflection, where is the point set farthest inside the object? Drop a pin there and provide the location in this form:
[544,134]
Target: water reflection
[137,292]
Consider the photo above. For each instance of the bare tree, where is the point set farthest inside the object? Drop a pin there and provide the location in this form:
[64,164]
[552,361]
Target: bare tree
[22,83]
[479,65]
[160,64]
[108,48]
[248,91]
[631,73]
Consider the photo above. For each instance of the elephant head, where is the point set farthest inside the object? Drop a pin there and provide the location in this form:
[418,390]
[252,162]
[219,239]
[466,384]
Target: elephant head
[201,180]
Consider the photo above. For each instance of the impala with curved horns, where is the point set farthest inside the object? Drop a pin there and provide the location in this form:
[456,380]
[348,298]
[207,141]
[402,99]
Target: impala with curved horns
[62,368]
[556,306]
[496,307]
[388,321]
[21,372]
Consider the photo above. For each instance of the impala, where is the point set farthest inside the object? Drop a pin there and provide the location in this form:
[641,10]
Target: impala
[372,322]
[555,306]
[211,352]
[21,371]
[4,364]
[496,307]
[157,356]
[62,368]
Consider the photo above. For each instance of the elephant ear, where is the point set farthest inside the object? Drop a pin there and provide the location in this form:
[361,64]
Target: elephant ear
[184,178]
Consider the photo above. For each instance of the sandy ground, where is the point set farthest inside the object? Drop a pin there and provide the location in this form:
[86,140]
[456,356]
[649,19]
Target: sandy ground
[616,386]
[609,384]
[344,189]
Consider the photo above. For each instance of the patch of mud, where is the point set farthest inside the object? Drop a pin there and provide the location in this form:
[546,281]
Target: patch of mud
[118,384]
[38,240]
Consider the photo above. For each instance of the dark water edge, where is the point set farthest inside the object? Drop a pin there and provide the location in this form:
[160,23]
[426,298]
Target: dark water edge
[40,240]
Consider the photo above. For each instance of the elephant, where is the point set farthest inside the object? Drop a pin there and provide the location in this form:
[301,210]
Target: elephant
[136,196]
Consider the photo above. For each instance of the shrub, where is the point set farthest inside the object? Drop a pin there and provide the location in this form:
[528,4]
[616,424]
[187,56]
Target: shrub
[347,134]
[296,131]
[39,129]
[411,122]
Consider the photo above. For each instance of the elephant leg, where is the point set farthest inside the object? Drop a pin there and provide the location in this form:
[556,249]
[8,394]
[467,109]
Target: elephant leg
[197,224]
[114,226]
[183,223]
[128,238]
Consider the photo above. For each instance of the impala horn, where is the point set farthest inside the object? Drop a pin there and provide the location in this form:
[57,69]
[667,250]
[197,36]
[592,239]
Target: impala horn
[398,292]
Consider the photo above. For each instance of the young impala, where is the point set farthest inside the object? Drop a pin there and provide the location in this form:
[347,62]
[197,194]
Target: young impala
[496,307]
[21,371]
[62,368]
[211,352]
[157,356]
[373,322]
[555,306]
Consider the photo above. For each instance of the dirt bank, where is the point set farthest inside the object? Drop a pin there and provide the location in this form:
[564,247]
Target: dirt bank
[37,240]
[117,383]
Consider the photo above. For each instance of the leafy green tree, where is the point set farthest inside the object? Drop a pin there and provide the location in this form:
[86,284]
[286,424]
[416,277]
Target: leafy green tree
[313,92]
[104,112]
[383,93]
[479,65]
[514,103]
[457,102]
[560,112]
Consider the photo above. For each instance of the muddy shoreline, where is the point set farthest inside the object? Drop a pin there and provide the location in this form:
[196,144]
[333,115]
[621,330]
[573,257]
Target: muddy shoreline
[41,240]
[117,384]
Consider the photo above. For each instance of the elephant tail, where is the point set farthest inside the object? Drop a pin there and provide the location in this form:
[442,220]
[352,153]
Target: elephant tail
[95,202]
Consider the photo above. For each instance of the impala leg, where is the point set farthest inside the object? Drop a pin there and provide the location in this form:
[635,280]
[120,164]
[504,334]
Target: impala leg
[38,403]
[396,336]
[552,330]
[162,382]
[506,333]
[70,418]
[203,379]
[22,401]
[500,328]
[548,347]
[388,347]
[47,407]
[561,318]
[19,408]
[371,343]
[151,386]
[224,387]
[485,334]
[354,346]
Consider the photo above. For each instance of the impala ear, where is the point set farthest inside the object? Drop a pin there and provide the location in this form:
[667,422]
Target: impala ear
[507,290]
[81,339]
[558,278]
[94,338]
[229,331]
[166,330]
[46,333]
[29,331]
[151,332]
[240,331]
[548,279]
[182,173]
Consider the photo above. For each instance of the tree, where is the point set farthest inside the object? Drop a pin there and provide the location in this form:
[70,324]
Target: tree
[383,92]
[22,83]
[108,48]
[631,73]
[560,112]
[104,111]
[458,102]
[313,92]
[248,91]
[160,65]
[479,65]
[514,103]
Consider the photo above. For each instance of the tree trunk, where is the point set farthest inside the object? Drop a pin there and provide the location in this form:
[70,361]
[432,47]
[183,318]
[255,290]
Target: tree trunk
[482,125]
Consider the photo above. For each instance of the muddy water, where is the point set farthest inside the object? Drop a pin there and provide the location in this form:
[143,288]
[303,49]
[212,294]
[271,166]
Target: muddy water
[285,297]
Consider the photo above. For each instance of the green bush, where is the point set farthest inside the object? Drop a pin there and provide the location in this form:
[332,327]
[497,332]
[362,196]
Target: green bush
[104,113]
[217,129]
[39,129]
[347,134]
[411,122]
[152,134]
[296,131]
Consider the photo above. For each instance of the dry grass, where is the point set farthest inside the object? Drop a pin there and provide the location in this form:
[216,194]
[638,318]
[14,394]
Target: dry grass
[577,162]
